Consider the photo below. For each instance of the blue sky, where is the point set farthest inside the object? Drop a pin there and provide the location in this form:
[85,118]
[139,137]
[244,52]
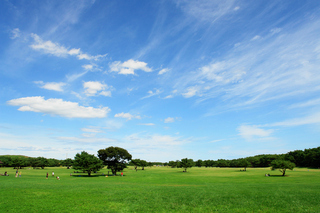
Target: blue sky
[163,79]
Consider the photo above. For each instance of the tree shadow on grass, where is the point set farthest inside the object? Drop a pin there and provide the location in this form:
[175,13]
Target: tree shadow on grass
[91,176]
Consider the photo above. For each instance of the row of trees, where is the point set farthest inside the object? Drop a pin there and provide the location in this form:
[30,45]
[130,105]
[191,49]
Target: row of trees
[39,162]
[116,159]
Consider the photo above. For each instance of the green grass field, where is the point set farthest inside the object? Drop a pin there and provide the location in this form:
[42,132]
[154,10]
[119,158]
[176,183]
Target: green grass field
[160,189]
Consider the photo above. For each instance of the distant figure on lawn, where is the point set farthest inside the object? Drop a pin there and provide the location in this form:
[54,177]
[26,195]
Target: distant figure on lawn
[47,175]
[58,178]
[17,173]
[20,174]
[121,174]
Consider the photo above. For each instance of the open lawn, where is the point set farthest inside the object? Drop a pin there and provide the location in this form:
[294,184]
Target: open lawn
[161,189]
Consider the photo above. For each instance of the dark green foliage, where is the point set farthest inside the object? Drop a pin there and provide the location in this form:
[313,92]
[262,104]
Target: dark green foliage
[86,162]
[186,163]
[115,158]
[199,163]
[174,164]
[67,162]
[209,163]
[282,165]
[243,163]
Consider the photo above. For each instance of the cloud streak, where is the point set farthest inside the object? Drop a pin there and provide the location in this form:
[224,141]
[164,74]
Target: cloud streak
[58,107]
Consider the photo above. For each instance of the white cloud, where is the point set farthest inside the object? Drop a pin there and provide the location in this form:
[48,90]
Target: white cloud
[105,93]
[15,33]
[256,38]
[93,87]
[151,93]
[252,132]
[127,116]
[59,50]
[74,51]
[191,91]
[58,107]
[163,71]
[129,67]
[52,85]
[88,67]
[236,8]
[169,120]
[48,47]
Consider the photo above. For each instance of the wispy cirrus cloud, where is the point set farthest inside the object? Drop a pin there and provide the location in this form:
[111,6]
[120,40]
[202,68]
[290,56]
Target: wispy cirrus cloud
[152,93]
[58,107]
[282,64]
[58,50]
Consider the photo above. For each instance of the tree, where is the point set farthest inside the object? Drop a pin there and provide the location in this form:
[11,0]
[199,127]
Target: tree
[199,163]
[143,164]
[282,165]
[86,162]
[186,163]
[243,163]
[67,162]
[115,158]
[135,163]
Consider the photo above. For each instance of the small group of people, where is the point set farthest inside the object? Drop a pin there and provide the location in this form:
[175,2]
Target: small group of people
[18,173]
[267,175]
[47,175]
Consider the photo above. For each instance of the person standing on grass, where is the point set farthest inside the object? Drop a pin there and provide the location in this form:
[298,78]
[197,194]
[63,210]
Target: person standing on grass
[20,174]
[121,174]
[47,175]
[52,173]
[17,173]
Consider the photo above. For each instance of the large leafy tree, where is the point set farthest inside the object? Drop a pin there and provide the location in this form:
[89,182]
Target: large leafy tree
[136,163]
[115,158]
[86,162]
[186,163]
[282,165]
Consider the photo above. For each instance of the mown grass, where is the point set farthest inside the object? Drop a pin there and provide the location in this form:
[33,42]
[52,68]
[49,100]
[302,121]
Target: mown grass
[161,190]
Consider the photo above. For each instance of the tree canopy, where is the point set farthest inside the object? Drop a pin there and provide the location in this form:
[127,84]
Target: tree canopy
[115,158]
[86,162]
[282,165]
[186,163]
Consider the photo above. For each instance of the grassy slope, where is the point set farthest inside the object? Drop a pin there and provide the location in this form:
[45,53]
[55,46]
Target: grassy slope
[162,190]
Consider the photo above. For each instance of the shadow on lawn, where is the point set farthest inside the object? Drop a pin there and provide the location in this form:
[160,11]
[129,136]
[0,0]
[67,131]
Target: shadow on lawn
[91,176]
[278,176]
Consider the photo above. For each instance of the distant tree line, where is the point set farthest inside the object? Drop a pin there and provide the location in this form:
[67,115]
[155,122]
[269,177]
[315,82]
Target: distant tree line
[301,158]
[18,162]
[117,159]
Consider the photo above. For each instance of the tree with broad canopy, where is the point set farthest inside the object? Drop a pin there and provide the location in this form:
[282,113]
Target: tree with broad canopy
[115,158]
[282,165]
[186,163]
[86,162]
